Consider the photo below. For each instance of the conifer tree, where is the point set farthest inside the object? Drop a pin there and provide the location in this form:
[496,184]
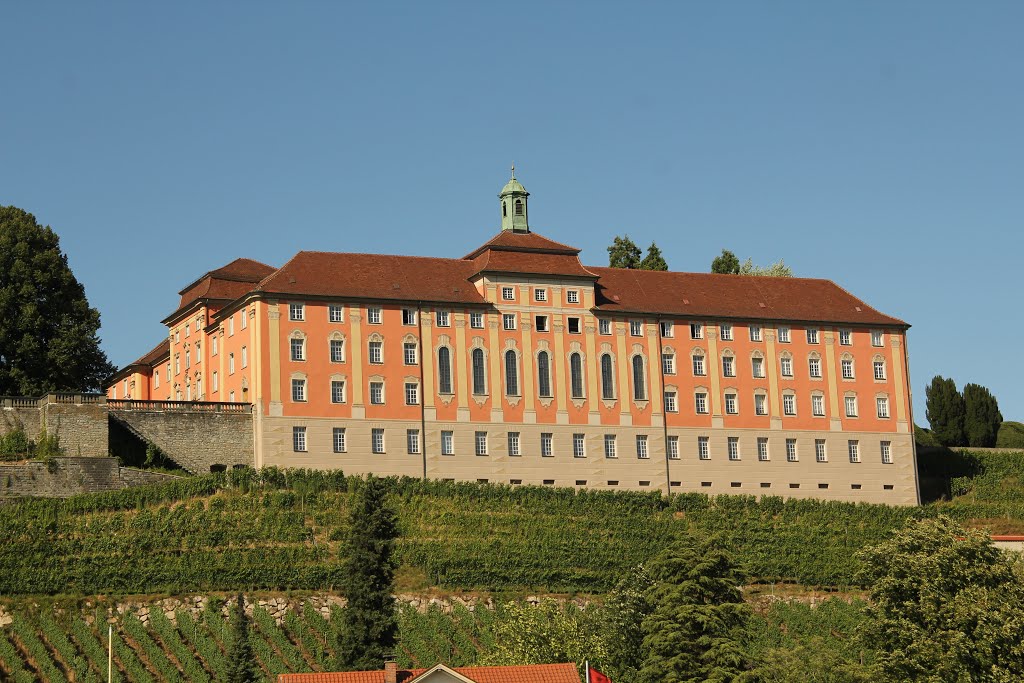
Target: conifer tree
[241,663]
[624,253]
[695,629]
[726,263]
[944,408]
[369,623]
[654,260]
[982,418]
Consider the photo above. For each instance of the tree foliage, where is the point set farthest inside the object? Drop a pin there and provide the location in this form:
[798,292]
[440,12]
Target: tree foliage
[546,633]
[624,253]
[622,625]
[695,629]
[726,263]
[982,418]
[945,410]
[369,621]
[946,606]
[241,663]
[654,259]
[48,332]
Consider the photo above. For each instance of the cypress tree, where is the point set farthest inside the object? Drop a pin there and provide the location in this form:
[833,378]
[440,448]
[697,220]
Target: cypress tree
[982,417]
[695,630]
[369,623]
[241,663]
[945,410]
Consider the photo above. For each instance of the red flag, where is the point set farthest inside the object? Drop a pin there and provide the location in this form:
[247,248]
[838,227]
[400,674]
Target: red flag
[598,677]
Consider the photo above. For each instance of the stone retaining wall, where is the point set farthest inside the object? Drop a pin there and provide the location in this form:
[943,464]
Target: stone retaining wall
[69,476]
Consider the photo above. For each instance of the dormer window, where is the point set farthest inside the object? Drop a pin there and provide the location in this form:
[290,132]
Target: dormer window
[519,207]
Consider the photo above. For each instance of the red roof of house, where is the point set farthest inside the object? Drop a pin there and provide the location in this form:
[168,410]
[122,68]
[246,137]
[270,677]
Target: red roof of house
[521,241]
[529,673]
[226,283]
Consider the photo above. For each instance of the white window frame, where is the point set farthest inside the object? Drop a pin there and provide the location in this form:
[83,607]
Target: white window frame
[817,405]
[853,450]
[412,394]
[642,452]
[885,447]
[846,364]
[480,443]
[375,352]
[878,369]
[763,454]
[377,443]
[636,328]
[668,363]
[882,407]
[443,319]
[297,350]
[814,368]
[547,445]
[513,439]
[672,447]
[476,320]
[668,329]
[572,296]
[820,450]
[447,442]
[604,326]
[298,390]
[760,404]
[846,337]
[337,391]
[700,403]
[374,315]
[789,405]
[732,406]
[671,404]
[338,439]
[508,321]
[409,317]
[699,367]
[296,312]
[339,345]
[412,441]
[696,331]
[786,366]
[378,388]
[728,366]
[508,293]
[784,337]
[540,294]
[877,338]
[792,451]
[812,335]
[757,367]
[410,353]
[335,313]
[703,448]
[299,444]
[579,445]
[848,403]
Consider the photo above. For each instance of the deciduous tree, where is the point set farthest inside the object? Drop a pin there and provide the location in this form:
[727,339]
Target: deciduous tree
[944,408]
[623,253]
[48,332]
[622,625]
[546,633]
[369,625]
[777,269]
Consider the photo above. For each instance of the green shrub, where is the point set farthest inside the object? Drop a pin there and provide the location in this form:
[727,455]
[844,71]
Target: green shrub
[1011,435]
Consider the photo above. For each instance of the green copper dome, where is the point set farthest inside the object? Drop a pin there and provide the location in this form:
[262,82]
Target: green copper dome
[511,186]
[513,205]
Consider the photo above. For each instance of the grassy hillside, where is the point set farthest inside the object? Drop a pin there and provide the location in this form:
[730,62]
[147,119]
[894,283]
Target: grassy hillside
[276,530]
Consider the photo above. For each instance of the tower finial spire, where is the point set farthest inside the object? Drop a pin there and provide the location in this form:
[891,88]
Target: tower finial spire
[513,169]
[513,205]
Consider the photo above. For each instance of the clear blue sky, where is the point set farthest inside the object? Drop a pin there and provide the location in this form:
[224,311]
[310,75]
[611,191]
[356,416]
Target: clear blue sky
[879,144]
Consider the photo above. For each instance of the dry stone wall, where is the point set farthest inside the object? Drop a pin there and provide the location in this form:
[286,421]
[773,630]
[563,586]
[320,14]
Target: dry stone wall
[64,477]
[78,420]
[196,441]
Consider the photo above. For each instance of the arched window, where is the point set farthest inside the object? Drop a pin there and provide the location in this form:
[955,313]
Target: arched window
[543,374]
[444,370]
[479,386]
[504,209]
[607,382]
[639,386]
[511,373]
[519,207]
[576,371]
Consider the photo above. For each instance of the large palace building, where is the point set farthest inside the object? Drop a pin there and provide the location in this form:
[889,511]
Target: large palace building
[516,364]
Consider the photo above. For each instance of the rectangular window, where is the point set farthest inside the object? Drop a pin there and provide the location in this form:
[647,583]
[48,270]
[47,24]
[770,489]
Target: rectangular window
[734,447]
[703,448]
[298,390]
[786,365]
[476,320]
[245,357]
[540,294]
[604,326]
[667,329]
[377,393]
[883,407]
[213,346]
[299,439]
[668,363]
[443,319]
[788,404]
[298,347]
[725,332]
[481,443]
[812,335]
[376,352]
[337,351]
[231,364]
[847,366]
[513,443]
[377,440]
[762,448]
[245,320]
[728,366]
[784,335]
[339,439]
[698,366]
[817,405]
[337,391]
[814,367]
[295,312]
[696,331]
[409,353]
[215,383]
[572,296]
[851,406]
[336,314]
[820,454]
[846,337]
[447,442]
[853,446]
[509,321]
[636,328]
[700,401]
[579,446]
[546,450]
[791,454]
[609,446]
[374,315]
[755,333]
[542,323]
[760,404]
[231,327]
[673,447]
[876,337]
[573,325]
[408,316]
[641,446]
[879,369]
[508,294]
[670,402]
[731,406]
[757,367]
[412,441]
[412,394]
[886,447]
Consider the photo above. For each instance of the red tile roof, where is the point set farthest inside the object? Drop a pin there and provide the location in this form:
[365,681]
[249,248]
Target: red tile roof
[530,673]
[160,352]
[521,241]
[227,283]
[531,263]
[751,297]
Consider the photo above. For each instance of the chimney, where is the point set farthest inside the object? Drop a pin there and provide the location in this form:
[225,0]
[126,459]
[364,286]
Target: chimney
[390,670]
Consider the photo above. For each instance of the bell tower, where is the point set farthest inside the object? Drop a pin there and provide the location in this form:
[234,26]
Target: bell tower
[513,205]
